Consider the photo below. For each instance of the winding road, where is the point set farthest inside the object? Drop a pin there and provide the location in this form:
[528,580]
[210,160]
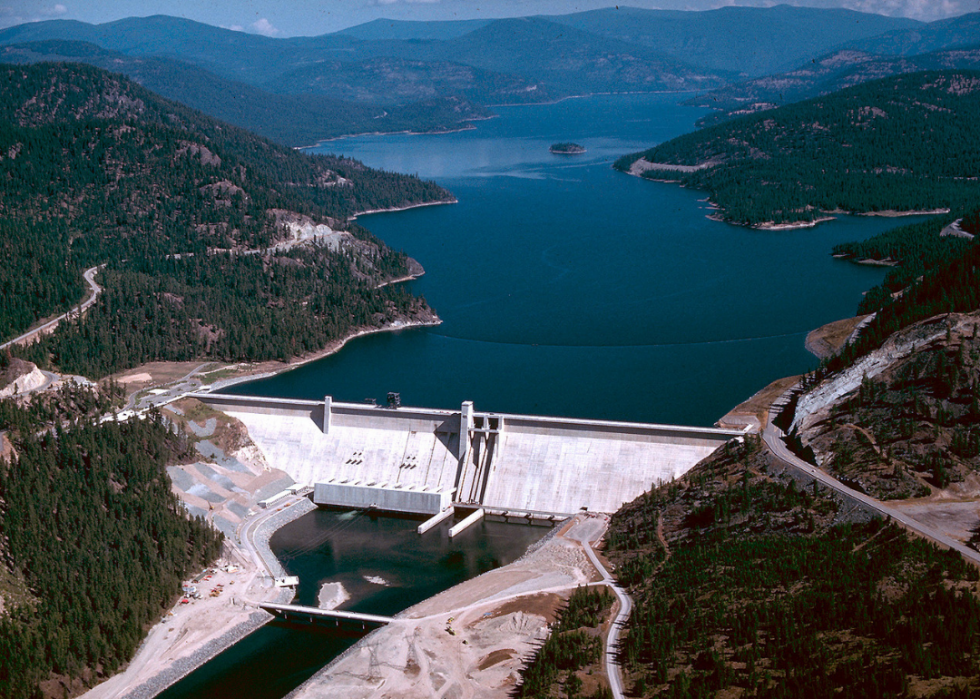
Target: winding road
[94,291]
[773,437]
[585,536]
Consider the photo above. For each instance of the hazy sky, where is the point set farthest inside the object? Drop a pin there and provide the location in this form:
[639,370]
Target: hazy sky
[312,17]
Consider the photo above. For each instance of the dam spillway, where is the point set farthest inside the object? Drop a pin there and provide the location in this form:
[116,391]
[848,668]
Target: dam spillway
[422,460]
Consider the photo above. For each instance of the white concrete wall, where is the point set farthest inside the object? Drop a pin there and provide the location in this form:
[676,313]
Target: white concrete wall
[539,464]
[389,499]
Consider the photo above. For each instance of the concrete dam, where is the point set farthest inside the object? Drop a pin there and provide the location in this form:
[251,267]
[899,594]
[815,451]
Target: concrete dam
[423,461]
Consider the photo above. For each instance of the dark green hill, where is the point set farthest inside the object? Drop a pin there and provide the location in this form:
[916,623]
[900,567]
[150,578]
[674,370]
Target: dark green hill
[397,82]
[746,581]
[103,171]
[89,522]
[848,151]
[823,76]
[291,119]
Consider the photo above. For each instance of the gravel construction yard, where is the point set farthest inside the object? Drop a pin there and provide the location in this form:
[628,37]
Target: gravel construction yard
[471,640]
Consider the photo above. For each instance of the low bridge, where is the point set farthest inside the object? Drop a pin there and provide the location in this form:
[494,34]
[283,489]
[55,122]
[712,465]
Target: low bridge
[328,618]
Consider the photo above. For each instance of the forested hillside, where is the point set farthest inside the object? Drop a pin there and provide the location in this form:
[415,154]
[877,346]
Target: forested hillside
[288,112]
[823,76]
[196,221]
[849,151]
[748,583]
[93,543]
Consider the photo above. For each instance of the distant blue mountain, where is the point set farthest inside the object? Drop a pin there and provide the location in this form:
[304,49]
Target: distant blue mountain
[949,44]
[935,36]
[290,119]
[432,73]
[383,29]
[749,40]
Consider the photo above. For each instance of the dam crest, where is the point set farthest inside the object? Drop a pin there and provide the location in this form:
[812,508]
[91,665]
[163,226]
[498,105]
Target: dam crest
[423,461]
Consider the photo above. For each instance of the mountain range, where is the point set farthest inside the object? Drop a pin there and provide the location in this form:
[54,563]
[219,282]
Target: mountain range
[949,44]
[436,76]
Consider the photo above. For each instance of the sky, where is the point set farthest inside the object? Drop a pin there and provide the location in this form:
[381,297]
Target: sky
[282,18]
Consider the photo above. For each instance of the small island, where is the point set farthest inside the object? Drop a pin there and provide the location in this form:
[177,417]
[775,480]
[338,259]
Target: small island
[566,149]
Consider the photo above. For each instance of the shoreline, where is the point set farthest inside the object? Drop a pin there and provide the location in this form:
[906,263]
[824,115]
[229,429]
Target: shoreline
[330,349]
[770,226]
[585,95]
[502,614]
[406,207]
[640,168]
[405,132]
[470,122]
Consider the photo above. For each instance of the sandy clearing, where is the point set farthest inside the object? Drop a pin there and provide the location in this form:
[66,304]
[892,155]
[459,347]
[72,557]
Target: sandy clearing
[135,378]
[469,641]
[754,412]
[640,166]
[954,519]
[828,339]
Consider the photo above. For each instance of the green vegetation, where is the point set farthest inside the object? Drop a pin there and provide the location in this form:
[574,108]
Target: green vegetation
[566,148]
[917,247]
[184,211]
[953,285]
[225,307]
[767,593]
[826,75]
[571,646]
[845,152]
[88,522]
[291,117]
[35,280]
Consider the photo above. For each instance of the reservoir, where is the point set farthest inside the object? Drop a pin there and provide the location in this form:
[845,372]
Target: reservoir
[569,289]
[566,289]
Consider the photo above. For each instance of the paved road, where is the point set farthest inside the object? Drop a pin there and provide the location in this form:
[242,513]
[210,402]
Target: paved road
[586,535]
[94,291]
[175,390]
[773,437]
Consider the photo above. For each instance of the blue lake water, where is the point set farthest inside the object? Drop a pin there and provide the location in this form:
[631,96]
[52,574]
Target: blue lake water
[567,288]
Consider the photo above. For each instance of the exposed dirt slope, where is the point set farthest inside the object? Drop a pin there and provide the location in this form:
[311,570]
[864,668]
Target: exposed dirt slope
[905,420]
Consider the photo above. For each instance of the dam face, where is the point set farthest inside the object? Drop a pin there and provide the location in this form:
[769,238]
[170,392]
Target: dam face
[421,460]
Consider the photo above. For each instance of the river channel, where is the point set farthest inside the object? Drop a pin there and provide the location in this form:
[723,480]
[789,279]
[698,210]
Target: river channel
[385,567]
[565,288]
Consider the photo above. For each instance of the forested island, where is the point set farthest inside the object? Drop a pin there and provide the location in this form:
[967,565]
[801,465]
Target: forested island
[846,152]
[566,148]
[197,223]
